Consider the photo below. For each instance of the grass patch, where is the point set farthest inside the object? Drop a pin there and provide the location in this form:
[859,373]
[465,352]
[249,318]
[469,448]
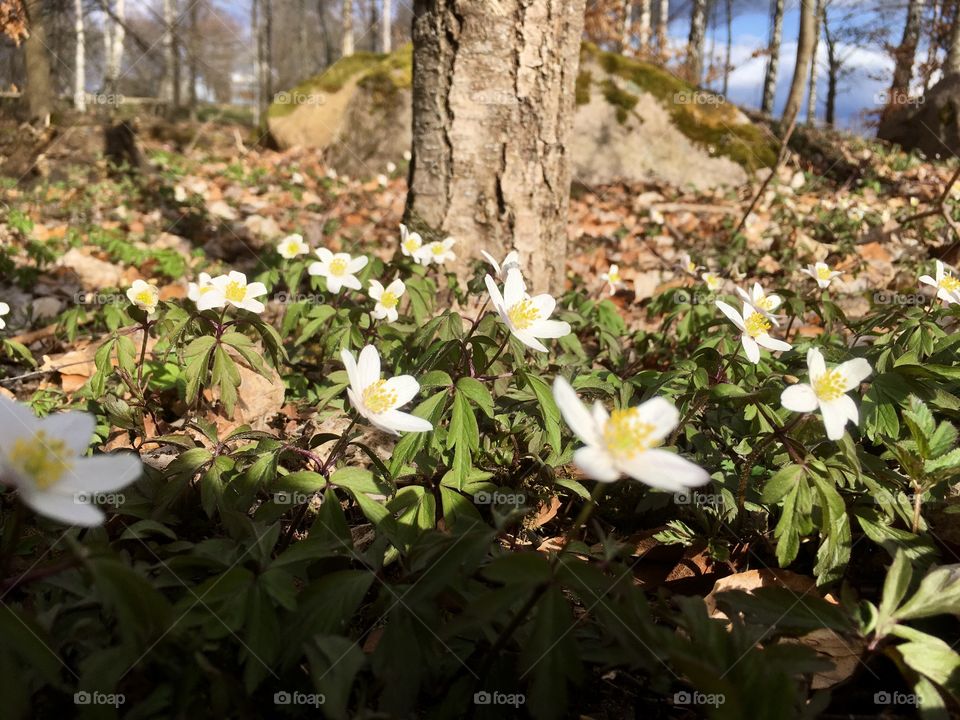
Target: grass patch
[623,101]
[584,78]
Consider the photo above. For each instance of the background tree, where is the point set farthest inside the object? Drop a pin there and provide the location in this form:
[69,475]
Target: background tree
[643,27]
[663,19]
[493,101]
[814,68]
[114,35]
[626,31]
[386,27]
[79,63]
[773,57]
[808,23]
[347,28]
[904,57]
[39,88]
[695,41]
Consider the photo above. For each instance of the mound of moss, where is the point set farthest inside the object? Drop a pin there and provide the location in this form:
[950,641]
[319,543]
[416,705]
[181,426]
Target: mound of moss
[704,117]
[383,73]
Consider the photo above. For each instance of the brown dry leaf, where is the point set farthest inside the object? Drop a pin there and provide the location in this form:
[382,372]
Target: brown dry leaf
[545,513]
[259,399]
[94,274]
[843,652]
[753,579]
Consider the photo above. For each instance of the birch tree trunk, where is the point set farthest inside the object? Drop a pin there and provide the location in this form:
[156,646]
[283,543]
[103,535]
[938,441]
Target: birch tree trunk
[729,50]
[347,50]
[643,27]
[166,84]
[256,34]
[386,27]
[116,35]
[904,57]
[698,27]
[663,20]
[951,65]
[808,21]
[626,30]
[812,88]
[39,89]
[493,102]
[193,55]
[773,58]
[79,65]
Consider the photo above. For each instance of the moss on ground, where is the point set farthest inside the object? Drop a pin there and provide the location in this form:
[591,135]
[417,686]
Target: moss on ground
[703,117]
[622,100]
[584,79]
[375,70]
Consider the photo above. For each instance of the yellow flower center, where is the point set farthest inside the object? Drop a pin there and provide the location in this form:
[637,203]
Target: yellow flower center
[438,249]
[950,283]
[613,277]
[378,397]
[823,273]
[624,435]
[829,386]
[389,300]
[757,325]
[338,267]
[523,314]
[291,248]
[764,303]
[145,297]
[411,245]
[691,266]
[43,458]
[235,292]
[204,289]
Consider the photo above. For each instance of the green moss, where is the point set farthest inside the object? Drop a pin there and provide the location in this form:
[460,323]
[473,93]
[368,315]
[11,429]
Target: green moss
[619,98]
[584,78]
[704,117]
[380,71]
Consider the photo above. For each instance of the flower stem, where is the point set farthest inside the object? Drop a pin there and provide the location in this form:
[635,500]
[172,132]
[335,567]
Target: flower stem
[500,350]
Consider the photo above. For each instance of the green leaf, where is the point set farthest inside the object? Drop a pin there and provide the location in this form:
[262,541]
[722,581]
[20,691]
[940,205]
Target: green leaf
[548,409]
[550,657]
[783,481]
[478,394]
[895,585]
[939,593]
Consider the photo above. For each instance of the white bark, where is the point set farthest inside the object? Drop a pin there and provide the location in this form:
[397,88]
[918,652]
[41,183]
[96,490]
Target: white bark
[951,65]
[812,90]
[698,28]
[662,22]
[773,59]
[166,85]
[79,68]
[643,27]
[626,29]
[386,27]
[347,50]
[115,37]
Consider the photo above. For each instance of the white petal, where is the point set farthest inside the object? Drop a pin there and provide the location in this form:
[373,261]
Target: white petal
[405,387]
[545,304]
[494,291]
[17,419]
[489,258]
[254,306]
[256,289]
[358,264]
[396,422]
[64,508]
[664,470]
[574,412]
[350,364]
[835,416]
[600,416]
[732,315]
[325,255]
[815,364]
[751,348]
[854,372]
[350,281]
[315,268]
[773,302]
[397,287]
[596,463]
[334,284]
[211,299]
[237,277]
[928,280]
[368,366]
[771,343]
[513,288]
[550,328]
[357,402]
[528,339]
[102,473]
[74,428]
[799,398]
[661,413]
[376,290]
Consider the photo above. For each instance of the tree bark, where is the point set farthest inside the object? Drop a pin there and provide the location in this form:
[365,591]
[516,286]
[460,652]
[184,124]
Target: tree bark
[193,59]
[808,21]
[904,57]
[116,36]
[347,47]
[256,33]
[698,28]
[951,66]
[773,57]
[386,27]
[643,28]
[729,51]
[626,30]
[166,85]
[833,72]
[39,89]
[79,65]
[493,102]
[812,88]
[663,20]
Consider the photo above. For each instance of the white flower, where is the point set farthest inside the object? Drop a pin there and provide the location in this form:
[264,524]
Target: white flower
[382,180]
[339,269]
[376,399]
[43,459]
[828,390]
[613,279]
[713,281]
[296,178]
[205,294]
[688,265]
[627,442]
[766,304]
[656,216]
[292,246]
[526,317]
[410,242]
[233,288]
[387,299]
[391,167]
[331,174]
[754,326]
[512,260]
[144,295]
[438,251]
[822,273]
[407,155]
[4,309]
[948,286]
